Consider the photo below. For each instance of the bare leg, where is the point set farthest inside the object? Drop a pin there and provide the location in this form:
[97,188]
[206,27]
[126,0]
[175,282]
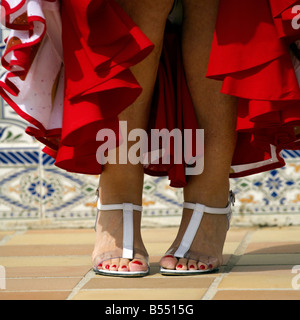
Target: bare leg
[124,183]
[216,114]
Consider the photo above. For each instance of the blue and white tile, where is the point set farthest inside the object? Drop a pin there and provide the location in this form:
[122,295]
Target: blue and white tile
[271,196]
[159,199]
[68,196]
[17,198]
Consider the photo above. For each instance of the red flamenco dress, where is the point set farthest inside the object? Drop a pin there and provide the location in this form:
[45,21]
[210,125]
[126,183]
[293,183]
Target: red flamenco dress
[68,74]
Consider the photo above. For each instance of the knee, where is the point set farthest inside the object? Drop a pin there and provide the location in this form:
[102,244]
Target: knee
[163,8]
[156,13]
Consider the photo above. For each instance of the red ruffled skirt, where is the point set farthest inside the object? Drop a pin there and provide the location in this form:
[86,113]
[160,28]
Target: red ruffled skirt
[251,55]
[68,93]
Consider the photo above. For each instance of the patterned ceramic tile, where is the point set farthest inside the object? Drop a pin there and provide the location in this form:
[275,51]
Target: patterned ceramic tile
[68,196]
[159,199]
[16,199]
[277,191]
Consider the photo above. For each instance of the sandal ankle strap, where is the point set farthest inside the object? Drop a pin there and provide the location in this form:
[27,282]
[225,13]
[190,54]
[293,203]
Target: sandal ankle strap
[211,210]
[201,207]
[121,206]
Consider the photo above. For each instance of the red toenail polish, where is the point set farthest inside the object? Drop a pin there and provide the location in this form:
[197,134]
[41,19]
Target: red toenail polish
[107,266]
[169,256]
[114,266]
[100,265]
[124,267]
[137,262]
[202,267]
[210,266]
[179,266]
[192,267]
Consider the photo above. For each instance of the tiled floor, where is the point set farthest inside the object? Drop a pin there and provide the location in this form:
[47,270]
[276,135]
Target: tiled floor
[56,264]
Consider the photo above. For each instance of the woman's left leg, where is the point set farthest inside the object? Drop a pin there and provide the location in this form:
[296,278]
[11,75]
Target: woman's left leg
[216,114]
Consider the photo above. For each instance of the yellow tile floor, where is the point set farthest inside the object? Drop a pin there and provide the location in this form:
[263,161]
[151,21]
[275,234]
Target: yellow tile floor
[259,264]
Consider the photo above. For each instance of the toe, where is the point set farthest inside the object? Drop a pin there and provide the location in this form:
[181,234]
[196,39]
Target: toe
[100,266]
[97,263]
[114,265]
[213,263]
[208,264]
[106,265]
[182,264]
[192,265]
[168,262]
[124,265]
[202,266]
[138,265]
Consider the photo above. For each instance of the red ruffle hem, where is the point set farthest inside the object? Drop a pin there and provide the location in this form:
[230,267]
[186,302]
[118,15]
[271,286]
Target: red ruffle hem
[68,74]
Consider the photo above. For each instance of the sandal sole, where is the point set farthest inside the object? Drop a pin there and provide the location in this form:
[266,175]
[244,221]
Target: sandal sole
[137,274]
[168,272]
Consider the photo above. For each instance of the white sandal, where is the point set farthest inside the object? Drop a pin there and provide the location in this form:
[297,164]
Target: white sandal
[191,231]
[128,236]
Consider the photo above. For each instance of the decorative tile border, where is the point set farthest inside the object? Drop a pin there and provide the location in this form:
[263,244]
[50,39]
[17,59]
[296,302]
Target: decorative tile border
[72,195]
[32,188]
[277,191]
[14,202]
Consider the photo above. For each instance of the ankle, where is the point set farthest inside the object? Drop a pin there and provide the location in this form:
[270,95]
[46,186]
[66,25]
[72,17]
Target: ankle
[214,199]
[215,196]
[120,197]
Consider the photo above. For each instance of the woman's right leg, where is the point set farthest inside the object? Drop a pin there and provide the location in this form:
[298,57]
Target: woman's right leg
[216,114]
[121,183]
